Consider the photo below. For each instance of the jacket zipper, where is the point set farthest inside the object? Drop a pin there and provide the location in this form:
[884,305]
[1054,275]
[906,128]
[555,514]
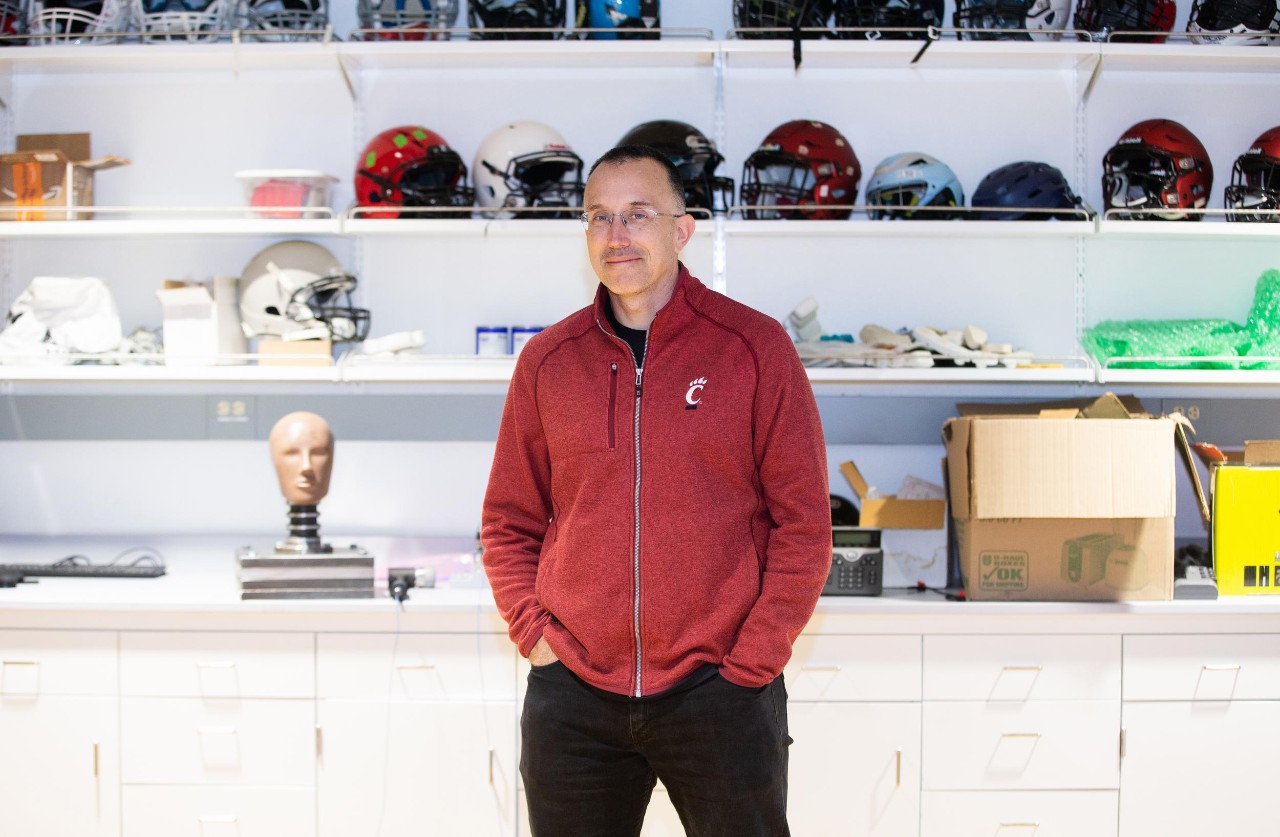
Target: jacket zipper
[613,404]
[635,549]
[635,540]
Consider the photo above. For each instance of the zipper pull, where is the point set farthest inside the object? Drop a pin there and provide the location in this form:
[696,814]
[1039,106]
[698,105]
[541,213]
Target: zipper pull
[639,372]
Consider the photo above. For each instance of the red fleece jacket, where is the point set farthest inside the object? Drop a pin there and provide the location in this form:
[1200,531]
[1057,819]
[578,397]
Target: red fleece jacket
[647,522]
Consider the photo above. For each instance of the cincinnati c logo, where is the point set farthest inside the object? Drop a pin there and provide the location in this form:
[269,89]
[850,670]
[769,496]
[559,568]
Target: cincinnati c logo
[693,397]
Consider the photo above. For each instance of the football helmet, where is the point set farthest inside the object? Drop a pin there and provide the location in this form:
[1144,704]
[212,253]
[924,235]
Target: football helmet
[13,22]
[619,19]
[694,155]
[1255,180]
[1100,18]
[1157,169]
[903,183]
[1043,20]
[906,19]
[78,21]
[803,163]
[516,14]
[1017,187]
[406,20]
[528,164]
[283,20]
[780,14]
[1234,22]
[411,166]
[297,285]
[182,20]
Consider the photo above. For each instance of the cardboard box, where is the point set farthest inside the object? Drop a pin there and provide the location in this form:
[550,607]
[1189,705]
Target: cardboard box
[891,512]
[1246,522]
[49,172]
[1062,508]
[272,352]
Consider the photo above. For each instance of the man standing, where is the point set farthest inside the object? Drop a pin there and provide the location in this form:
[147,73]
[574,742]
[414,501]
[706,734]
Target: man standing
[656,531]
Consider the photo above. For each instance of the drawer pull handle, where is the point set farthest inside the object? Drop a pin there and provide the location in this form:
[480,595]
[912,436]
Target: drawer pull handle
[1031,825]
[1019,735]
[20,662]
[897,769]
[1024,668]
[95,761]
[216,665]
[1223,667]
[490,765]
[820,667]
[419,667]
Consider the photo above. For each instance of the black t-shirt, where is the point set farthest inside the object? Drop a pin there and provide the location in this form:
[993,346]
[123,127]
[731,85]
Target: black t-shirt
[634,337]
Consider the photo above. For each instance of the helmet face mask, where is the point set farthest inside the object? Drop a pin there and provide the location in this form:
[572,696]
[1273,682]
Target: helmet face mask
[78,21]
[1102,18]
[528,164]
[1043,20]
[695,157]
[283,20]
[803,164]
[781,15]
[904,19]
[1157,170]
[411,166]
[182,20]
[1255,181]
[406,20]
[516,14]
[1234,22]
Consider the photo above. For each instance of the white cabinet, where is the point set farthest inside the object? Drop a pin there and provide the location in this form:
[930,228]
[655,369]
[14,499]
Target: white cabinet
[59,734]
[417,734]
[221,733]
[1199,735]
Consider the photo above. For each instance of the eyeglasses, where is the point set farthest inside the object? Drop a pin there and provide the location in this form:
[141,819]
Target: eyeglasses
[636,219]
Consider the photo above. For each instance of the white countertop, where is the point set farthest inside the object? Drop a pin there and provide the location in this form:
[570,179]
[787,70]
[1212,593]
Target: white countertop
[200,591]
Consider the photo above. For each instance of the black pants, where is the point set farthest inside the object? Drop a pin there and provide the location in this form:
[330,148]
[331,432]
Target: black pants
[589,762]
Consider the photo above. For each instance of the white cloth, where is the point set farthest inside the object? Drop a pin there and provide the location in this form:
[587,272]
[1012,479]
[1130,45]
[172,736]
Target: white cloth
[57,316]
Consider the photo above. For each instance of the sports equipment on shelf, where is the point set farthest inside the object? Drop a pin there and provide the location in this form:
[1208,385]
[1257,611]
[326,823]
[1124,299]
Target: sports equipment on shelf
[905,183]
[887,19]
[298,285]
[182,20]
[283,20]
[1255,181]
[1025,191]
[406,20]
[618,20]
[488,15]
[693,154]
[411,166]
[1234,22]
[1143,20]
[1011,20]
[528,164]
[1156,170]
[803,169]
[779,15]
[77,21]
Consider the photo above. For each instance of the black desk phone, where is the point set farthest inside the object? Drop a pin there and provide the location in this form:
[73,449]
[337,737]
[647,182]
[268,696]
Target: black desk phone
[857,562]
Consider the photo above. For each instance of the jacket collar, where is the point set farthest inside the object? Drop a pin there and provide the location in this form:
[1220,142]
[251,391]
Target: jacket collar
[686,284]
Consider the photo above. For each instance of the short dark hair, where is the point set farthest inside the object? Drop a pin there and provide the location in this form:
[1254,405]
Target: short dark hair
[631,153]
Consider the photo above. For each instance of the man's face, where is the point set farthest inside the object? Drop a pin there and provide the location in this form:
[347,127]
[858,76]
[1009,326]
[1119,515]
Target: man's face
[631,262]
[302,450]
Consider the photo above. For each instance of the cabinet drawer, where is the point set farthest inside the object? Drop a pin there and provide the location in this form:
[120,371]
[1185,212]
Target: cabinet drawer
[1202,667]
[424,666]
[1018,814]
[217,665]
[153,811]
[854,668]
[1021,745]
[174,741]
[1036,667]
[57,663]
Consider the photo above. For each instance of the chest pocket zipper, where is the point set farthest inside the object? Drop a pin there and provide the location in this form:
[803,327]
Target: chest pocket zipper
[613,405]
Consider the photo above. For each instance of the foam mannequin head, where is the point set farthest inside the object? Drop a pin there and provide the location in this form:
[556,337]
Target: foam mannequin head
[302,450]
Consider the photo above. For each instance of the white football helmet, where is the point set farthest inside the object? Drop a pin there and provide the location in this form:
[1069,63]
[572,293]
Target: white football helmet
[297,285]
[182,20]
[527,164]
[78,21]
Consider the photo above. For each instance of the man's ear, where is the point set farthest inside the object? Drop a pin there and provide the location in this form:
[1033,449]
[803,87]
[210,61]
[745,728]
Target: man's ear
[685,225]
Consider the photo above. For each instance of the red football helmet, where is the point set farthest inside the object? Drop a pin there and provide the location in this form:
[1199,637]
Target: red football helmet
[803,163]
[411,166]
[1255,180]
[1157,169]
